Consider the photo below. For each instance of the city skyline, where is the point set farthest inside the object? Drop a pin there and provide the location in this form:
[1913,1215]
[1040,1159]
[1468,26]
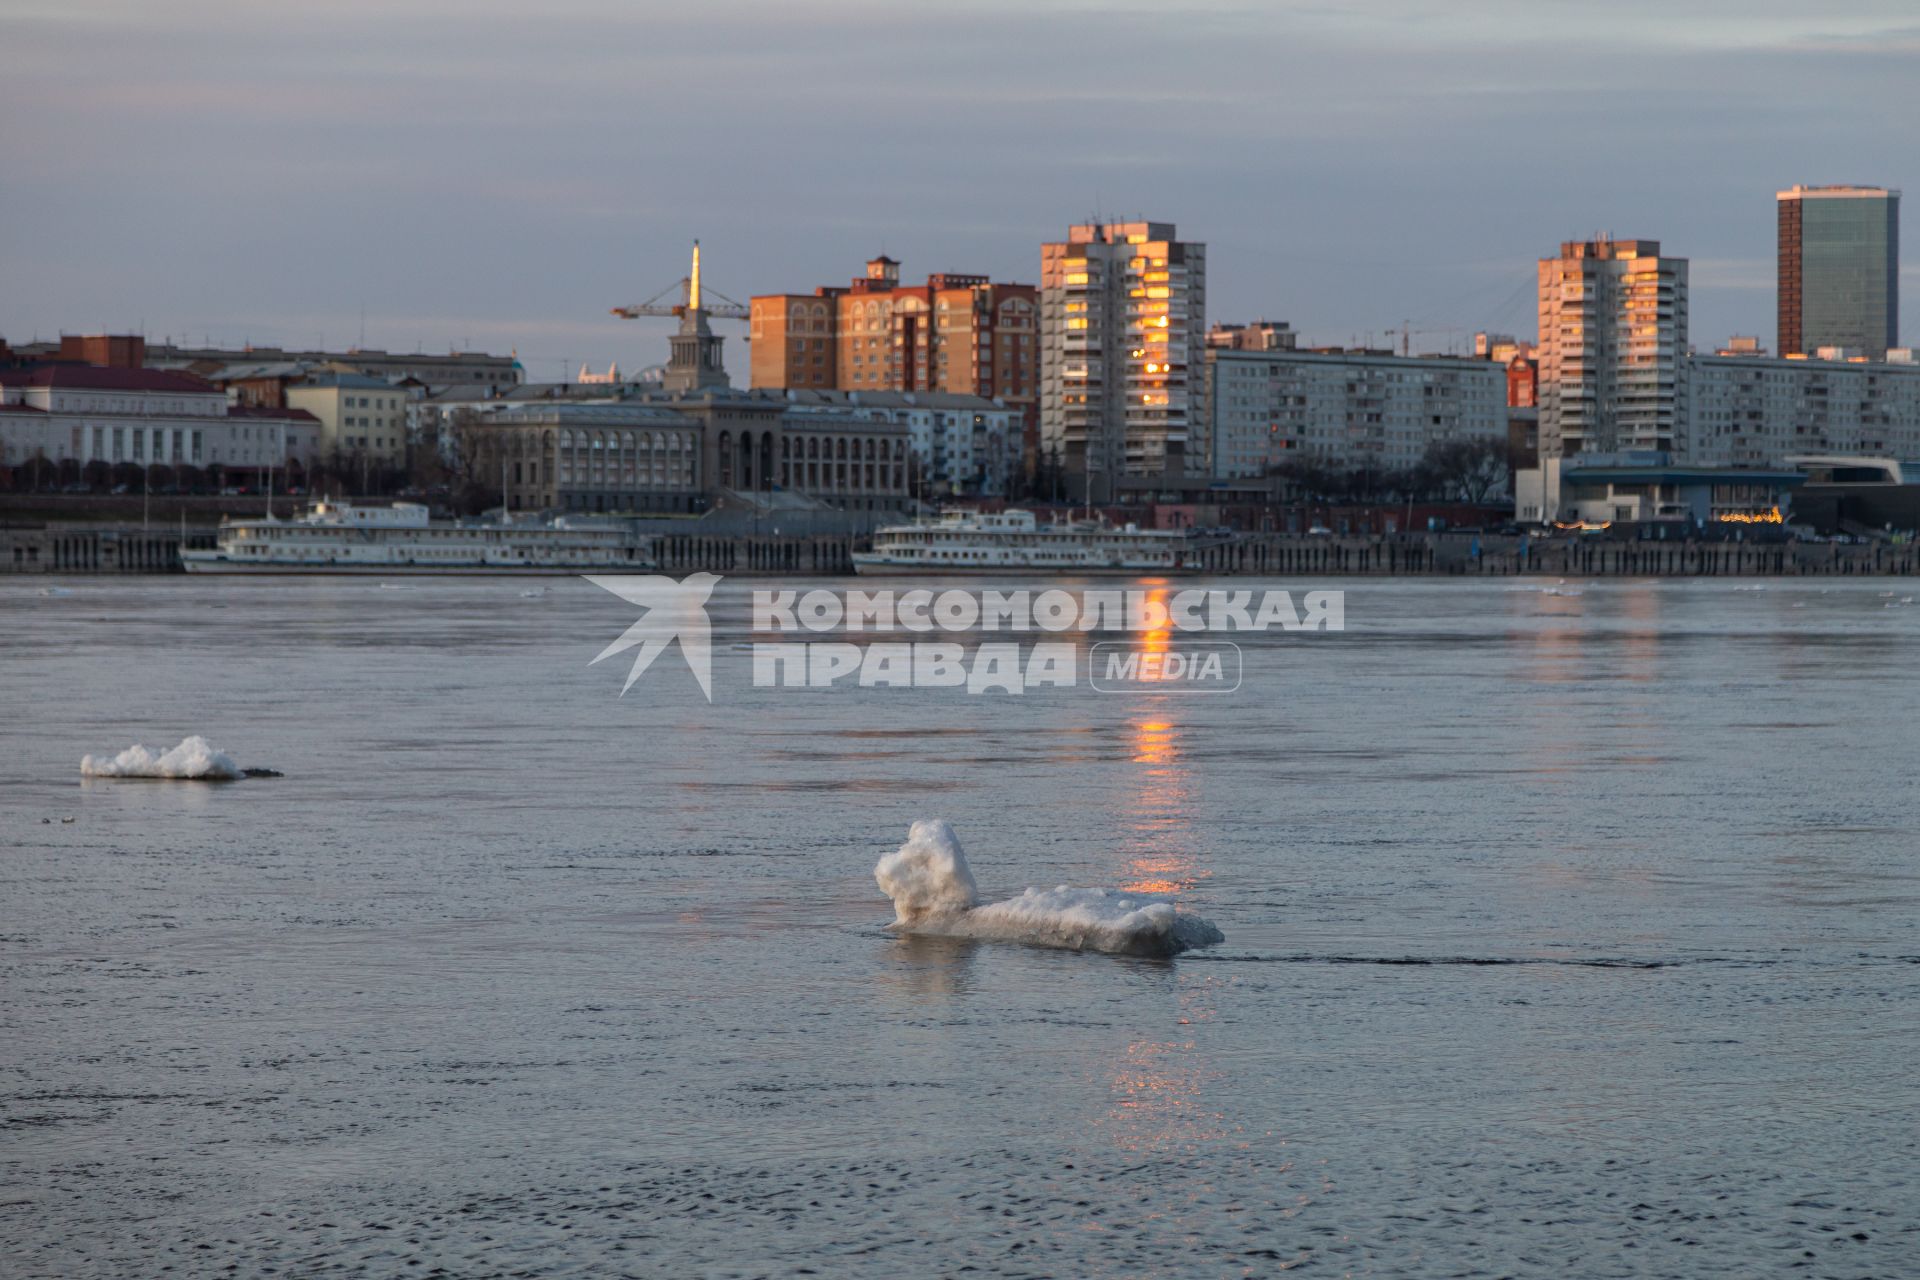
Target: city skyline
[1350,172]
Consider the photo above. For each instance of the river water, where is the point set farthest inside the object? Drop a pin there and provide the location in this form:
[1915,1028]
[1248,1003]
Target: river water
[1567,932]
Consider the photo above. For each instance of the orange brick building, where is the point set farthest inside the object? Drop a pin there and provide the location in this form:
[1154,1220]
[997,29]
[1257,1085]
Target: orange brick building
[957,333]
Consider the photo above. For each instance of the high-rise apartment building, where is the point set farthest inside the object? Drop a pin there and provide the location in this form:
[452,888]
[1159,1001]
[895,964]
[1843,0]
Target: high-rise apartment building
[1612,349]
[1123,336]
[961,334]
[1839,276]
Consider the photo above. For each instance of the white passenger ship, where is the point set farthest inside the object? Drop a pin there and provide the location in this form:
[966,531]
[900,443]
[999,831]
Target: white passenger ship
[338,537]
[1014,542]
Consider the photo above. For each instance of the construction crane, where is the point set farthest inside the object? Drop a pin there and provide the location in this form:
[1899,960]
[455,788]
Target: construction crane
[1407,332]
[692,299]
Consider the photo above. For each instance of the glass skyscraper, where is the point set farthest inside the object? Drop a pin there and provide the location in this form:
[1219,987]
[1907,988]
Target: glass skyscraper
[1839,282]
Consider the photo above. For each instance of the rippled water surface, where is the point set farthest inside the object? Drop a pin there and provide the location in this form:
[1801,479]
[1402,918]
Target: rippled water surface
[1567,934]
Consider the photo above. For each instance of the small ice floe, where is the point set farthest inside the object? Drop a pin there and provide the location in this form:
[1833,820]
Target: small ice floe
[533,593]
[395,586]
[56,592]
[933,893]
[195,759]
[1562,591]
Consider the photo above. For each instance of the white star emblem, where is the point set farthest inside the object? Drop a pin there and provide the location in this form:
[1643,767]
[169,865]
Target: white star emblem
[674,611]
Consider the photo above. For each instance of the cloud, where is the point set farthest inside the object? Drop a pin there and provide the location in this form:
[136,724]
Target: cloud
[1752,274]
[486,170]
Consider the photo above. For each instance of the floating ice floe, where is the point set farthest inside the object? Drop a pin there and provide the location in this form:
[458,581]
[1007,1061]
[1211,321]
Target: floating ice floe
[195,759]
[934,893]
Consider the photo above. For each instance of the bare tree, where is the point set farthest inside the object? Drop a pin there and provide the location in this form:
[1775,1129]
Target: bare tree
[1472,470]
[472,462]
[1312,477]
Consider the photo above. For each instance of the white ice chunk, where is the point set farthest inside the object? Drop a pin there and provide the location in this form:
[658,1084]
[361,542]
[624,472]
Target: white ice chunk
[933,893]
[928,875]
[195,758]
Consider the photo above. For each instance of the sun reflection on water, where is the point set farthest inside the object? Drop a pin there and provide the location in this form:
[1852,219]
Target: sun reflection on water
[1159,848]
[1162,1091]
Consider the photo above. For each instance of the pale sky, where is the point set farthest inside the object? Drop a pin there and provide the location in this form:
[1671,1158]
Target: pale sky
[498,176]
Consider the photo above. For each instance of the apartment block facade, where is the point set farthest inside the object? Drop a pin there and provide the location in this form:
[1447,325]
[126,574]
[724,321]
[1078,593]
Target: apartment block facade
[1346,409]
[1122,356]
[1261,335]
[1612,349]
[1757,411]
[360,416]
[954,334]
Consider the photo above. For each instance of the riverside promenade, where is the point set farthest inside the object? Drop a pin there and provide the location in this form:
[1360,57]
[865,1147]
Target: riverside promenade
[120,549]
[1483,555]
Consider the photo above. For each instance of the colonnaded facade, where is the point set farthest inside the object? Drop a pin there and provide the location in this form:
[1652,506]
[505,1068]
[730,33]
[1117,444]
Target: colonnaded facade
[685,453]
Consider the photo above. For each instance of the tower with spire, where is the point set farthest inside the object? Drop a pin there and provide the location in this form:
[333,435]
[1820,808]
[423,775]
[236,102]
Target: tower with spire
[695,363]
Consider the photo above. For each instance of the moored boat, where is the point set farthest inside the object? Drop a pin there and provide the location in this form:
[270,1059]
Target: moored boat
[339,537]
[1016,542]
